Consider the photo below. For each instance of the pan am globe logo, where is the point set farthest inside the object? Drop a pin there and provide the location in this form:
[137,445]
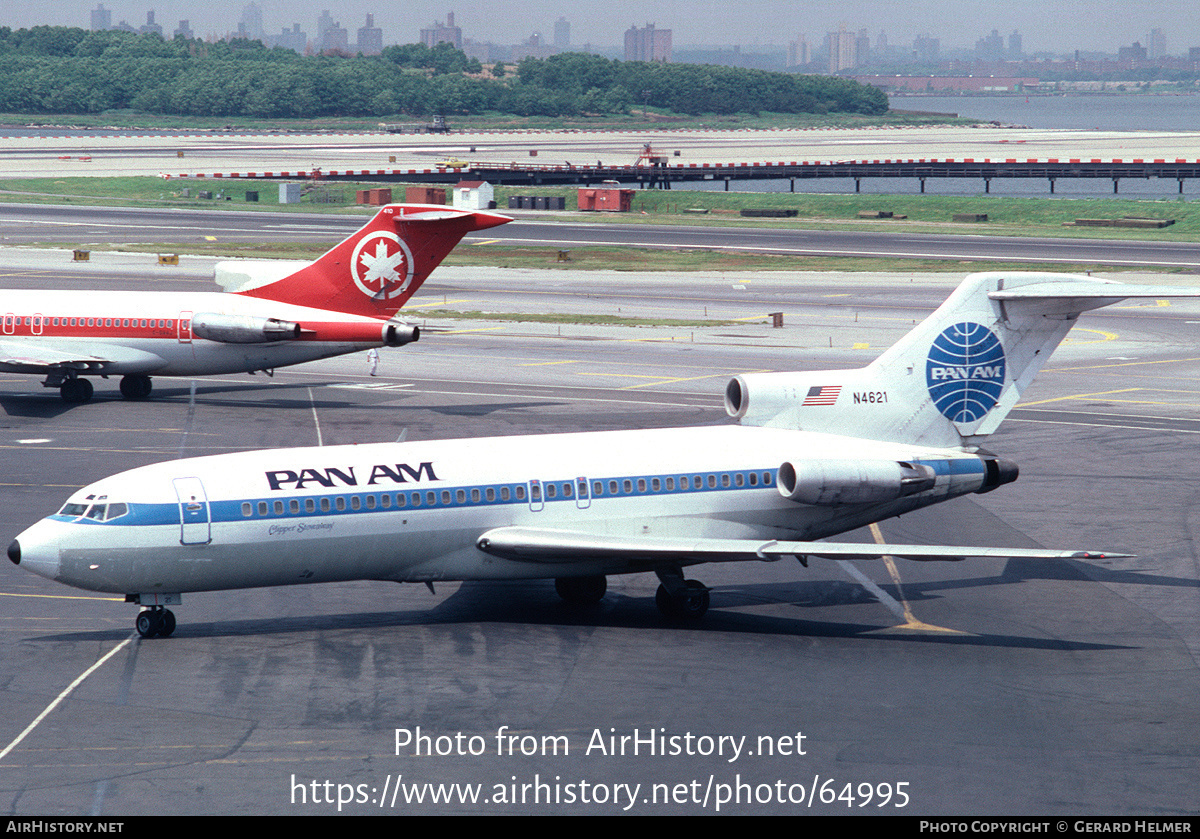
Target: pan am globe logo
[965,371]
[382,265]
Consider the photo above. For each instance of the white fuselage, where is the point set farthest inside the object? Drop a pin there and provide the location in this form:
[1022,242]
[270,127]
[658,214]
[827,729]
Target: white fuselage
[150,333]
[414,511]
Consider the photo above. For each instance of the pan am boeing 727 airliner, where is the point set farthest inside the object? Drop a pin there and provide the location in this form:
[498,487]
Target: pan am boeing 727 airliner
[814,454]
[342,303]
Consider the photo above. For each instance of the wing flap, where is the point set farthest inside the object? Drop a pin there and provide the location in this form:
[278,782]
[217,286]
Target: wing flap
[529,544]
[26,357]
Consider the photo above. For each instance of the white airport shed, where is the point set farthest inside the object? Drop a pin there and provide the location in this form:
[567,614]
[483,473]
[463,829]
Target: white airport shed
[473,195]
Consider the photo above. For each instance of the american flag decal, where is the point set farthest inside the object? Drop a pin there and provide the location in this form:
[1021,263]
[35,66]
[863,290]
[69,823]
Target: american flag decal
[826,395]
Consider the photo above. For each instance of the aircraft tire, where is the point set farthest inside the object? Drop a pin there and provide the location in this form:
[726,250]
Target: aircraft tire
[689,605]
[148,623]
[136,386]
[581,589]
[76,390]
[167,624]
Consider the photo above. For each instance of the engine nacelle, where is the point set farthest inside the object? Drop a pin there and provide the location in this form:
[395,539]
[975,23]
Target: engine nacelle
[827,482]
[757,398]
[399,334]
[243,329]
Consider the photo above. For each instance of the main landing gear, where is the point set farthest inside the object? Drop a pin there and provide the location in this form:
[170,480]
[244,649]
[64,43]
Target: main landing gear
[581,590]
[680,599]
[677,599]
[135,386]
[155,621]
[75,390]
[78,389]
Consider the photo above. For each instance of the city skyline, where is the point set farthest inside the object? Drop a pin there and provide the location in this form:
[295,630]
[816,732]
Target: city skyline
[1055,26]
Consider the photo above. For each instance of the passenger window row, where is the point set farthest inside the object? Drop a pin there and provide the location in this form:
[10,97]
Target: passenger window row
[507,493]
[12,321]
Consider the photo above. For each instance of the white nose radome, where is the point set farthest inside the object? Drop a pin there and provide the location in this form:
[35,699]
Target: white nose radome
[36,549]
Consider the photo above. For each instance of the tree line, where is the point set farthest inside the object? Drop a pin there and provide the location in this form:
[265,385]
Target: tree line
[65,70]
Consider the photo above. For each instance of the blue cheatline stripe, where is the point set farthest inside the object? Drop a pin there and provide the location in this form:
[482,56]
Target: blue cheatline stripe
[474,496]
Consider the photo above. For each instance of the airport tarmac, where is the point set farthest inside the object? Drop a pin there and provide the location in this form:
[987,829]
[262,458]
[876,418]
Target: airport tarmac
[80,154]
[1036,688]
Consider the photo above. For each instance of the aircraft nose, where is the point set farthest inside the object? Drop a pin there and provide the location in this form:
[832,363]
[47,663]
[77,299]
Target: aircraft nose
[36,550]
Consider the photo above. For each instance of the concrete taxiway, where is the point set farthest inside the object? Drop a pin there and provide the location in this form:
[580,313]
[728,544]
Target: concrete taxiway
[1008,688]
[177,229]
[188,154]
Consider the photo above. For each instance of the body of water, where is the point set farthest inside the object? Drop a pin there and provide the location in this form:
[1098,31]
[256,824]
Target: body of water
[1101,111]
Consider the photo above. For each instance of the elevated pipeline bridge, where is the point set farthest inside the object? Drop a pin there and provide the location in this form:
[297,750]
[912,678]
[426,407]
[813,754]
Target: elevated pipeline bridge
[663,176]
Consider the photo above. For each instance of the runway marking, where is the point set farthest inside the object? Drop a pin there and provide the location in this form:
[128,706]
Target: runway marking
[469,331]
[835,251]
[1128,364]
[316,420]
[1081,396]
[431,305]
[45,486]
[487,242]
[547,363]
[63,596]
[655,380]
[372,386]
[66,692]
[1106,336]
[1157,304]
[900,608]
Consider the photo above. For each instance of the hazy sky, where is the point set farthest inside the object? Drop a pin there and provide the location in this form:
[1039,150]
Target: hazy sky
[1045,25]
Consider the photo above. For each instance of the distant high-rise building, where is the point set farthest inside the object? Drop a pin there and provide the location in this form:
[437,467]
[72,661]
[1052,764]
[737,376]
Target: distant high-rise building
[443,33]
[1157,44]
[990,47]
[251,24]
[1133,54]
[842,51]
[370,38]
[184,30]
[926,49]
[293,39]
[101,18]
[862,48]
[1015,51]
[331,35]
[797,55]
[648,44]
[562,33]
[881,44]
[151,26]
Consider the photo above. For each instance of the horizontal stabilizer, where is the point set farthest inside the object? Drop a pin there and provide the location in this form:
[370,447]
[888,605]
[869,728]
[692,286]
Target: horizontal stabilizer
[530,544]
[1089,290]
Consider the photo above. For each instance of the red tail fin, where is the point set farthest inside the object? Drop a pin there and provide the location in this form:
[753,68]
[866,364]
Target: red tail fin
[376,270]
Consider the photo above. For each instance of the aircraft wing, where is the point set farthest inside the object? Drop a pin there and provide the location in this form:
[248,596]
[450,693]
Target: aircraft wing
[42,357]
[531,544]
[28,357]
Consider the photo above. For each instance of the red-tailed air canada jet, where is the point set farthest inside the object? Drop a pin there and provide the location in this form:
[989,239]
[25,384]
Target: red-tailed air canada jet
[342,303]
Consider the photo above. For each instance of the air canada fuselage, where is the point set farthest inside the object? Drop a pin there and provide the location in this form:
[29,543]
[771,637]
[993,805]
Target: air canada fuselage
[415,511]
[178,333]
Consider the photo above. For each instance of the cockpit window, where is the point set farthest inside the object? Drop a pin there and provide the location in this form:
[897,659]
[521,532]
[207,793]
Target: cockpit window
[100,512]
[70,509]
